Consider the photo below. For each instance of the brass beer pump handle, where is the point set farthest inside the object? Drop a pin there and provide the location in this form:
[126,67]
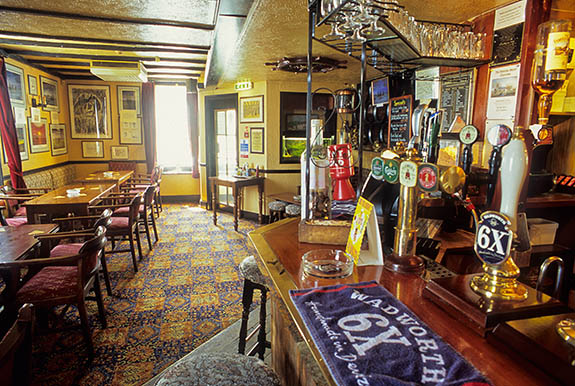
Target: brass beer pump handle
[558,278]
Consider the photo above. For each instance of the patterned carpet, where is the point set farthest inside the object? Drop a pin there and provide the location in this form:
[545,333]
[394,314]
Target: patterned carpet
[186,290]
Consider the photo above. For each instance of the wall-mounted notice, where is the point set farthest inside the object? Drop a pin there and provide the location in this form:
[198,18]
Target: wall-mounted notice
[457,91]
[399,129]
[508,33]
[503,85]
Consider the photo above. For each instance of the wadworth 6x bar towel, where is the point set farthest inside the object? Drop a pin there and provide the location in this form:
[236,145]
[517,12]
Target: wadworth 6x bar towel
[368,337]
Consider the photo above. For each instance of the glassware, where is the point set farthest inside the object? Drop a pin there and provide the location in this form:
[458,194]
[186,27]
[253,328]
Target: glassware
[327,263]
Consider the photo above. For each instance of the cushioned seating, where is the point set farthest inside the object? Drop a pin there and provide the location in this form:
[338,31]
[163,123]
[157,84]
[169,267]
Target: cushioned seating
[277,210]
[65,249]
[119,223]
[250,270]
[16,221]
[220,370]
[277,205]
[126,210]
[20,212]
[50,282]
[293,210]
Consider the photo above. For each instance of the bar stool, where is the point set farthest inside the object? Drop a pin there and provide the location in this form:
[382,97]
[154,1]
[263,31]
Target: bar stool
[253,279]
[219,369]
[293,210]
[277,210]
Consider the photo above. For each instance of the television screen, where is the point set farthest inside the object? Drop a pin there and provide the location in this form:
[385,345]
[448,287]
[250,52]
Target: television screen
[380,91]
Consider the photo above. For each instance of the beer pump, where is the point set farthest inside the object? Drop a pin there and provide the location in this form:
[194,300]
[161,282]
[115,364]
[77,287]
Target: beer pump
[498,136]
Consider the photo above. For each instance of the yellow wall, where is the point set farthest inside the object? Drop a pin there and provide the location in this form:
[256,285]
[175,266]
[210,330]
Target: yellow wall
[275,182]
[39,160]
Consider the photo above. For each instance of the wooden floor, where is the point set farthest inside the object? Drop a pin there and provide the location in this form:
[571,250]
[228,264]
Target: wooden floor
[227,341]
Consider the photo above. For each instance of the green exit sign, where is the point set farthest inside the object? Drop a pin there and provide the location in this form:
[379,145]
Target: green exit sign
[243,86]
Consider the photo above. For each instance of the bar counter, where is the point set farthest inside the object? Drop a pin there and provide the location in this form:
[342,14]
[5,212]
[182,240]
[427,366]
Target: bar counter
[280,252]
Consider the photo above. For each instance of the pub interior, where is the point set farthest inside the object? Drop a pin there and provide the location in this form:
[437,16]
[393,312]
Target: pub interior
[322,192]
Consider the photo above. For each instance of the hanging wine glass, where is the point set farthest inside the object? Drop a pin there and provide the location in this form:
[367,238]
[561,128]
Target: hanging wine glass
[373,31]
[335,33]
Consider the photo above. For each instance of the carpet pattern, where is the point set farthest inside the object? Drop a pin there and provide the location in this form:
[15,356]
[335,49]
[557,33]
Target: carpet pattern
[186,291]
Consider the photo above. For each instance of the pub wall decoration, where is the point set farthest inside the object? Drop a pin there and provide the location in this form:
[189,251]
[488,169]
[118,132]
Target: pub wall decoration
[58,139]
[16,85]
[252,109]
[90,112]
[49,89]
[38,136]
[130,115]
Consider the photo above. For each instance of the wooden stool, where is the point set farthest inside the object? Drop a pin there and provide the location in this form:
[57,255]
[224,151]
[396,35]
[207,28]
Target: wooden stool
[253,279]
[219,369]
[277,210]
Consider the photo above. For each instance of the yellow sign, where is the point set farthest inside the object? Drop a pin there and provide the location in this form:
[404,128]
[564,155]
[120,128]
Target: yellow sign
[360,218]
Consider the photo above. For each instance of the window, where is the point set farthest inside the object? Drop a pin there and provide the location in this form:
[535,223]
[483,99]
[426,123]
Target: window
[173,145]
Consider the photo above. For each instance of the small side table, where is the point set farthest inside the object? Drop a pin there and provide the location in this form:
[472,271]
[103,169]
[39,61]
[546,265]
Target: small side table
[237,184]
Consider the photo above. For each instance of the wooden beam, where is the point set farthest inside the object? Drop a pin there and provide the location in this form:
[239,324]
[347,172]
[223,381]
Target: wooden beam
[122,20]
[100,57]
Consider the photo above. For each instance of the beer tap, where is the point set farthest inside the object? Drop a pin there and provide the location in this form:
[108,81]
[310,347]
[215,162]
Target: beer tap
[467,136]
[498,136]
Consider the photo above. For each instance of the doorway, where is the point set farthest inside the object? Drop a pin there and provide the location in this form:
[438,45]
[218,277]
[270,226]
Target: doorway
[221,141]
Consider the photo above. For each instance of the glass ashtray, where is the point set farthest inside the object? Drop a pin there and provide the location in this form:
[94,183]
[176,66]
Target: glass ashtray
[327,263]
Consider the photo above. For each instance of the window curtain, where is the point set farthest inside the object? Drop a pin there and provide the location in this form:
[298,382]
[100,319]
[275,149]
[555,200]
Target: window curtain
[8,132]
[192,97]
[149,118]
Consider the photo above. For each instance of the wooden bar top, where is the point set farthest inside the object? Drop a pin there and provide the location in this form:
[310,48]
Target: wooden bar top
[280,253]
[88,193]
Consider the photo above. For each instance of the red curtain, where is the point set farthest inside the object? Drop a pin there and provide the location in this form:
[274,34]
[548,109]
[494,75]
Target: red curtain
[194,131]
[8,132]
[149,118]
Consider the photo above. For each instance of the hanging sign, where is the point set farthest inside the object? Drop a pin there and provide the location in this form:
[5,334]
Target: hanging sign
[493,238]
[377,168]
[391,171]
[399,129]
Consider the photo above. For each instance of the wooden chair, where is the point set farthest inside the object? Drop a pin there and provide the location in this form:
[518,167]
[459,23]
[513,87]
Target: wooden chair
[16,349]
[140,182]
[65,280]
[123,226]
[146,213]
[12,203]
[80,225]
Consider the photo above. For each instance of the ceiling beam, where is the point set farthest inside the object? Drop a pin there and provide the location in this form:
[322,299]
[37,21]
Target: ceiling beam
[123,20]
[101,41]
[107,47]
[98,57]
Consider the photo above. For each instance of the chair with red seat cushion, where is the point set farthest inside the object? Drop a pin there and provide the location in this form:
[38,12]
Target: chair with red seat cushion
[65,280]
[146,213]
[121,227]
[16,349]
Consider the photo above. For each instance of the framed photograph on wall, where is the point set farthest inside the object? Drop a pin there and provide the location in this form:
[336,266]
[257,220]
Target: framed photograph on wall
[92,149]
[119,152]
[90,111]
[38,136]
[257,140]
[129,112]
[22,143]
[32,85]
[58,139]
[252,109]
[16,85]
[49,88]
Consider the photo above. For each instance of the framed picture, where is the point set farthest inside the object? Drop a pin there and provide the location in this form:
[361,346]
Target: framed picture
[252,109]
[15,81]
[58,139]
[90,111]
[32,85]
[119,152]
[257,140]
[92,149]
[38,136]
[49,88]
[22,143]
[129,112]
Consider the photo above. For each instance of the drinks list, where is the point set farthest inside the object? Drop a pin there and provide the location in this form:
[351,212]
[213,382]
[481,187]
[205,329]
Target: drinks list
[399,129]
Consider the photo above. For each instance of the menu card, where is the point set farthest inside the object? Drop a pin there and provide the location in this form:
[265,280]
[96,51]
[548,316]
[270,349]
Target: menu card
[399,120]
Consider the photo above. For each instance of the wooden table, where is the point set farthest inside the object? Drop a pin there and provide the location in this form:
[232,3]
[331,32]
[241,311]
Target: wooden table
[17,243]
[57,203]
[116,177]
[285,197]
[280,254]
[237,184]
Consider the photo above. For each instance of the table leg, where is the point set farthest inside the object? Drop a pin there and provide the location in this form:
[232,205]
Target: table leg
[30,215]
[261,193]
[215,202]
[236,194]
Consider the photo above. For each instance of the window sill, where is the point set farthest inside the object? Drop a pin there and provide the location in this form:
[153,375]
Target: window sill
[173,170]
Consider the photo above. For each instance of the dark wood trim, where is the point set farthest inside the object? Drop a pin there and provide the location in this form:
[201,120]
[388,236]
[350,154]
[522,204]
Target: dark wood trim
[101,57]
[107,47]
[62,63]
[112,41]
[280,171]
[107,19]
[27,62]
